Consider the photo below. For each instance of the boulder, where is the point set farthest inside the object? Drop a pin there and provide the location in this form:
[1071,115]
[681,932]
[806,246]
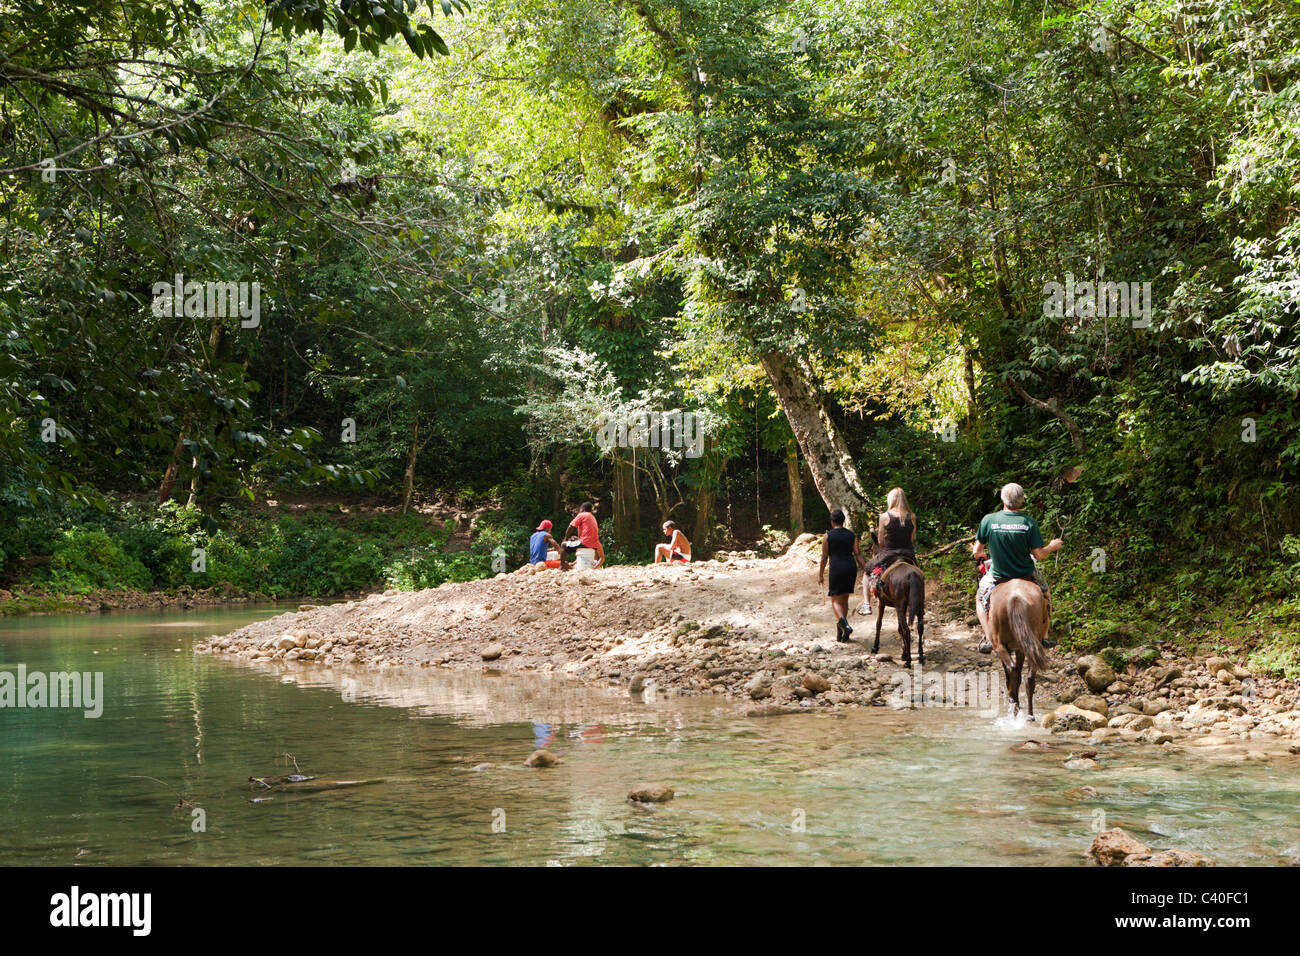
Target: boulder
[1131,722]
[1089,702]
[1070,717]
[492,652]
[1216,664]
[1113,847]
[1096,673]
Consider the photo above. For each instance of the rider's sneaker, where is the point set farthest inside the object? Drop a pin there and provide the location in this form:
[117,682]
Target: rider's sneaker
[986,647]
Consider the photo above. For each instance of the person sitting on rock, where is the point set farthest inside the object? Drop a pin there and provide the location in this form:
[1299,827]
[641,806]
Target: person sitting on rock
[539,542]
[677,548]
[1012,541]
[590,553]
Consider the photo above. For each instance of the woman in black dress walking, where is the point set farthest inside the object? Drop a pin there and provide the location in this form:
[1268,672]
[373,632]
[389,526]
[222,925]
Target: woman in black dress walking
[840,550]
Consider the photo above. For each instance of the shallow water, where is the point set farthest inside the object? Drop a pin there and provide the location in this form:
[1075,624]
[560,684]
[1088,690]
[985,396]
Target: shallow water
[928,786]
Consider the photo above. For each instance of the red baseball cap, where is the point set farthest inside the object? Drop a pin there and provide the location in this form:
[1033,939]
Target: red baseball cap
[544,526]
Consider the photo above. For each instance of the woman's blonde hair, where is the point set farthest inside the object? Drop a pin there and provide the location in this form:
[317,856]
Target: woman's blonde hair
[897,502]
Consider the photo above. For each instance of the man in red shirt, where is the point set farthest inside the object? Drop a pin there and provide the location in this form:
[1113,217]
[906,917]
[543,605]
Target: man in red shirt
[584,523]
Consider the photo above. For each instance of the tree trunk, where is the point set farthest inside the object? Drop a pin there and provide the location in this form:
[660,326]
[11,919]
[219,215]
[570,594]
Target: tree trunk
[972,401]
[169,476]
[408,477]
[824,448]
[710,466]
[627,506]
[794,477]
[557,482]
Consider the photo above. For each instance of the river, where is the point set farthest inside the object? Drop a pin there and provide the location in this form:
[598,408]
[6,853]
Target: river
[873,786]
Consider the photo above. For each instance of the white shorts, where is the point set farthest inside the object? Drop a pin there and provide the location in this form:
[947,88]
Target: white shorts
[984,593]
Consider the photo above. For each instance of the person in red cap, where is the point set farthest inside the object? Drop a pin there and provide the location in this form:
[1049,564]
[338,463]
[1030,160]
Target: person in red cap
[538,543]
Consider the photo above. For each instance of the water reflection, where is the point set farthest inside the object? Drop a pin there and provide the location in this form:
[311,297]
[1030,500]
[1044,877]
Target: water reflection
[427,766]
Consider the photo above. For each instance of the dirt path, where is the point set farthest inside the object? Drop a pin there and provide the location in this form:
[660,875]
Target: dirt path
[758,632]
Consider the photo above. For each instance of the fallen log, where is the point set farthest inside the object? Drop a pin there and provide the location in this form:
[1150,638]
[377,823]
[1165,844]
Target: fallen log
[947,547]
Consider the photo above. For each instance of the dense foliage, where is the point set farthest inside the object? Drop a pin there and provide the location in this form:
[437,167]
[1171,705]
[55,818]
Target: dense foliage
[868,242]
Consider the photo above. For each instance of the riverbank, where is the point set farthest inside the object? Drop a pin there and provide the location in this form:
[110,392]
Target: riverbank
[105,599]
[758,634]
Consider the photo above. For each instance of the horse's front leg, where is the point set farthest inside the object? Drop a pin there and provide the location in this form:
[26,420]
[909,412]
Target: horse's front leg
[1029,691]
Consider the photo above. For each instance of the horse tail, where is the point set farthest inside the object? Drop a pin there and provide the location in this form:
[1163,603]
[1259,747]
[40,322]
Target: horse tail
[1026,636]
[916,603]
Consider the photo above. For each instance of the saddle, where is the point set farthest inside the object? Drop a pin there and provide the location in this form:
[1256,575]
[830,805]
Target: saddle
[898,562]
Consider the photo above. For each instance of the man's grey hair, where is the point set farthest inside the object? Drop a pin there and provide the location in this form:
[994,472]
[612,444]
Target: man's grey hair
[1013,496]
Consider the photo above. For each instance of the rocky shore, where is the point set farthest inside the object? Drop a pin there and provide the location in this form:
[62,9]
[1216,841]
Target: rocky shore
[1161,696]
[757,632]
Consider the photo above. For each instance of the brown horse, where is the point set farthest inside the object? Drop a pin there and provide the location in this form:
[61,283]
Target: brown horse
[902,587]
[1018,622]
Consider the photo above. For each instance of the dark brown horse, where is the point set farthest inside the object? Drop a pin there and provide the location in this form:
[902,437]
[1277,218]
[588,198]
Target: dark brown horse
[902,587]
[1018,622]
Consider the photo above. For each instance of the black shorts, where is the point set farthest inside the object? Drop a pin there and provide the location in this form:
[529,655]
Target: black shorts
[843,576]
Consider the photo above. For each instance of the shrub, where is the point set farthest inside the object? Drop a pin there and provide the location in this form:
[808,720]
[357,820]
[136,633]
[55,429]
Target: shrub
[85,559]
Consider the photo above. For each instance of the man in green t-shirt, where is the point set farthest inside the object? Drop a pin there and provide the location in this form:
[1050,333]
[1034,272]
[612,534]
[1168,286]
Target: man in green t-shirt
[1012,541]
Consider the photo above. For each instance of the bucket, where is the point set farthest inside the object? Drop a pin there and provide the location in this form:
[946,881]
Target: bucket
[586,558]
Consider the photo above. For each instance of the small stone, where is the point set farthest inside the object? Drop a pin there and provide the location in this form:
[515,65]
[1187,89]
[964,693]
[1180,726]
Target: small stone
[651,793]
[816,683]
[492,652]
[1169,858]
[541,758]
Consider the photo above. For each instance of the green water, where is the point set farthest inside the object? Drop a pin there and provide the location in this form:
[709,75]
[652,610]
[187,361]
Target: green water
[875,786]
